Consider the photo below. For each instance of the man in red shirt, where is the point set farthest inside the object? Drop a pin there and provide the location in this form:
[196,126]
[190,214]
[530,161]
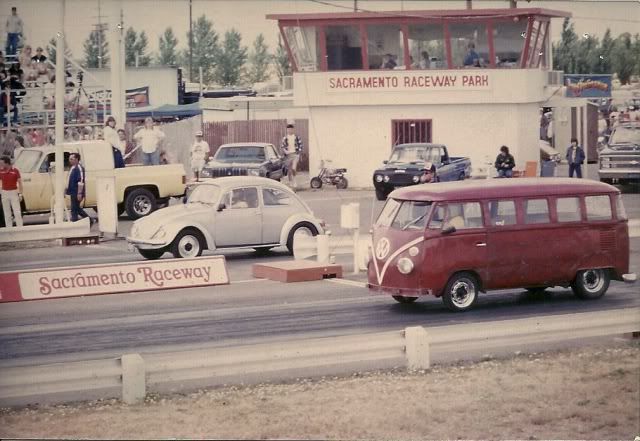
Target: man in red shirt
[11,192]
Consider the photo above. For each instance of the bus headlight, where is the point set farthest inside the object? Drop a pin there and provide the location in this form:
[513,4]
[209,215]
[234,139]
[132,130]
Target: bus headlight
[405,265]
[378,178]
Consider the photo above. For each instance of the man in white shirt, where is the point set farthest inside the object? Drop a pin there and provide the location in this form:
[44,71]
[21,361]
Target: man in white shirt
[149,139]
[199,154]
[13,27]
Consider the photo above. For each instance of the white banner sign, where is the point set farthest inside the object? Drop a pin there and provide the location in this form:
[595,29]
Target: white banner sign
[124,277]
[408,81]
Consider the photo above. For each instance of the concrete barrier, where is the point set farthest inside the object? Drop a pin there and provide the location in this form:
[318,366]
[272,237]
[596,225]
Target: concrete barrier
[130,377]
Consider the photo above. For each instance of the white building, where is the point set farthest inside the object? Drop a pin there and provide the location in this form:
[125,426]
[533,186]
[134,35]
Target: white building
[473,101]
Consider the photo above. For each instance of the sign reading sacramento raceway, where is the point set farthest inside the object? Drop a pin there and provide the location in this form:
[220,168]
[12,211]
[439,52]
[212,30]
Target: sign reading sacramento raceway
[125,277]
[403,81]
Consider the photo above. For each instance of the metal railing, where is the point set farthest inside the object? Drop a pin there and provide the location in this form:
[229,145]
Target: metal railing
[132,376]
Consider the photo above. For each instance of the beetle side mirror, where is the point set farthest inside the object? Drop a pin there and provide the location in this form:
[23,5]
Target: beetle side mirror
[448,229]
[222,206]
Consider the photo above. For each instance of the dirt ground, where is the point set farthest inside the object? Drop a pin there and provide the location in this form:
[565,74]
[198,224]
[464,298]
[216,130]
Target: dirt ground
[588,393]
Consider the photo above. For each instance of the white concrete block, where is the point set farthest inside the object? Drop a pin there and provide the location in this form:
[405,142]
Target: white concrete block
[417,348]
[133,379]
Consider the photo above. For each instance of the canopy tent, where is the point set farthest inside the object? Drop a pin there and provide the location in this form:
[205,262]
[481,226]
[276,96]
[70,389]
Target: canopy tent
[165,111]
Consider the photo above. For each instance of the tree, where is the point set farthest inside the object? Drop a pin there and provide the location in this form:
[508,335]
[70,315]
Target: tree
[564,52]
[281,61]
[259,61]
[636,53]
[587,51]
[52,52]
[167,43]
[95,45]
[602,62]
[205,49]
[231,59]
[623,58]
[136,45]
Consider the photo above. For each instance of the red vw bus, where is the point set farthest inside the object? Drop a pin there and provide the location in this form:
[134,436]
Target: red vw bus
[455,240]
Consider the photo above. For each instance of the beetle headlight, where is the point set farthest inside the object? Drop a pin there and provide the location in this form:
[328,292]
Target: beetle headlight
[416,179]
[160,234]
[405,265]
[386,179]
[378,178]
[254,172]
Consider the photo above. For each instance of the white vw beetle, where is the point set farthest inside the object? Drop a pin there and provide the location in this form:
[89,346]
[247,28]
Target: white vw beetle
[229,212]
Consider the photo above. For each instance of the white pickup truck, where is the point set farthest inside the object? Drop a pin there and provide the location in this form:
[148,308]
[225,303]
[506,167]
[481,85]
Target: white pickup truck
[139,189]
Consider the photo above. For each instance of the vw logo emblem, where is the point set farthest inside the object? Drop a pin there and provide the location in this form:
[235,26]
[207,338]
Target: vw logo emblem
[382,248]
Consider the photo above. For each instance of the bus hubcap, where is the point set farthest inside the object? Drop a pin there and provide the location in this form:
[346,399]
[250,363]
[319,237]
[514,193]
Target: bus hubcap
[462,293]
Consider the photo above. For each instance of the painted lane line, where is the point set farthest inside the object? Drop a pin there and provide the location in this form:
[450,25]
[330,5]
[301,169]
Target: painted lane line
[347,282]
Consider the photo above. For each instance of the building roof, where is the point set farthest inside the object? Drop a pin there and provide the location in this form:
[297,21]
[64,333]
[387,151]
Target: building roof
[435,14]
[501,188]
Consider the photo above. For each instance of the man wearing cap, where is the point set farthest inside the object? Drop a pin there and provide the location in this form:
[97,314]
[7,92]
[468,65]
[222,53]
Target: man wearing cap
[199,154]
[291,147]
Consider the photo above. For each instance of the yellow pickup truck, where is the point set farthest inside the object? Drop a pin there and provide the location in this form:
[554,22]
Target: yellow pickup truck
[139,189]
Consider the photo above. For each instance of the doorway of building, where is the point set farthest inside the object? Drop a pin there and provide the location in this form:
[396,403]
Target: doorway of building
[406,131]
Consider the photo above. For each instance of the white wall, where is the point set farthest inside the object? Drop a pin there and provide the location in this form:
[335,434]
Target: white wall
[359,137]
[162,82]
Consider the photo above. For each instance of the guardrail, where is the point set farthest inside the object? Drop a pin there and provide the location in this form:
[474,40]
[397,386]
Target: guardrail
[132,376]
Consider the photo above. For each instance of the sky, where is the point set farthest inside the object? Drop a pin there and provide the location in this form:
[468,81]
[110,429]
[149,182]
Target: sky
[42,17]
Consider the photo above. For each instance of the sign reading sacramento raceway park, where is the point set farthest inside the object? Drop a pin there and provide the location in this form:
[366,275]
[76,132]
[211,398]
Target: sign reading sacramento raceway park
[413,81]
[124,277]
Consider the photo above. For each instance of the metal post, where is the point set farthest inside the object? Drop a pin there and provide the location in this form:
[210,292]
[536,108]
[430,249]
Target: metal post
[190,42]
[356,241]
[60,83]
[201,79]
[115,34]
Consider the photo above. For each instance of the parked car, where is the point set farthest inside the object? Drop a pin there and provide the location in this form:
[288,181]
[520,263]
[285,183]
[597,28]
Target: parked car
[230,212]
[246,159]
[619,160]
[407,163]
[139,190]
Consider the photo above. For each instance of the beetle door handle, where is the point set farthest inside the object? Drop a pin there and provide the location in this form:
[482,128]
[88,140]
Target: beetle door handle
[481,244]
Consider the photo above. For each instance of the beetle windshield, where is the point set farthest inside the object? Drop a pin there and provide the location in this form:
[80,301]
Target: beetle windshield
[204,194]
[404,215]
[240,154]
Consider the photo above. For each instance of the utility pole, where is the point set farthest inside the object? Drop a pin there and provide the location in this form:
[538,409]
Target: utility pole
[190,41]
[355,5]
[59,155]
[99,28]
[469,4]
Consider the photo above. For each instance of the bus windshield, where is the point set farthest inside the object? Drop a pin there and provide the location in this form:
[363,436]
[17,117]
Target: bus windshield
[404,215]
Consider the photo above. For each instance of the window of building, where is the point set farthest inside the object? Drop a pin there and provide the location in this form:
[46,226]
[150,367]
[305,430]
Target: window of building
[536,211]
[469,44]
[502,213]
[385,47]
[598,208]
[426,46]
[508,42]
[304,44]
[568,209]
[344,48]
[406,131]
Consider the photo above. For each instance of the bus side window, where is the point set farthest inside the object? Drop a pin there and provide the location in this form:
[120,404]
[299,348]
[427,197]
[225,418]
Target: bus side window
[438,217]
[502,213]
[598,208]
[568,209]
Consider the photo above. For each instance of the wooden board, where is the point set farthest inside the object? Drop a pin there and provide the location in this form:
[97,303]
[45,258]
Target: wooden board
[296,271]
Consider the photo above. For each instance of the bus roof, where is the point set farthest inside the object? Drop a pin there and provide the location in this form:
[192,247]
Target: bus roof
[500,188]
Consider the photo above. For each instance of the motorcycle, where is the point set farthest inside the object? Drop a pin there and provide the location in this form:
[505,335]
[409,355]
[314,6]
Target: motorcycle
[330,175]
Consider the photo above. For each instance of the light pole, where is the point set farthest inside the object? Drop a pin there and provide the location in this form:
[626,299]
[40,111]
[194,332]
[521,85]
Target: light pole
[59,155]
[190,41]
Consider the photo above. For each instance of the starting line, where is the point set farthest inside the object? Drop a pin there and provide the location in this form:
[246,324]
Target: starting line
[112,278]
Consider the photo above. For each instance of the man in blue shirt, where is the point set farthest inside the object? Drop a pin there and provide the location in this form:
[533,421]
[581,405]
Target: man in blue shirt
[575,157]
[472,58]
[75,188]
